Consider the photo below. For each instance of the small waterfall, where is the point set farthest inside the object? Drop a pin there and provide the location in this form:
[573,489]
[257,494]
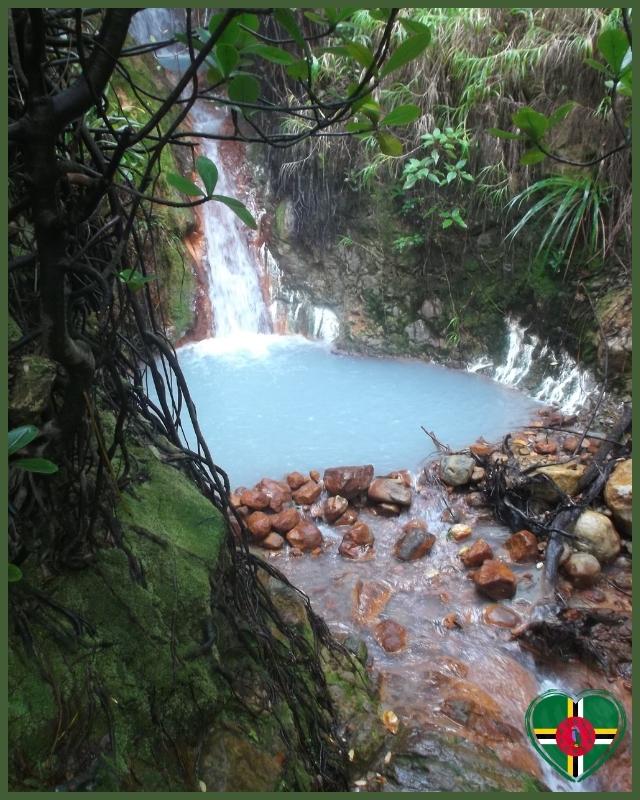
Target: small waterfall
[534,366]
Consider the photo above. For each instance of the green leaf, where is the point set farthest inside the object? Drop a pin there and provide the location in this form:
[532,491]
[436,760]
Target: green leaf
[625,86]
[250,21]
[273,54]
[359,127]
[238,208]
[21,437]
[243,89]
[230,33]
[451,176]
[561,112]
[402,115]
[447,223]
[533,156]
[406,52]
[313,17]
[413,26]
[184,185]
[228,57]
[456,217]
[370,109]
[388,144]
[208,172]
[596,65]
[214,75]
[504,134]
[613,44]
[531,122]
[133,279]
[360,53]
[286,18]
[40,465]
[298,70]
[14,573]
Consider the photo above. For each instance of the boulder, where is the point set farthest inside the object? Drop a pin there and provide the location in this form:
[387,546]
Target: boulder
[278,493]
[348,482]
[285,520]
[259,524]
[335,508]
[413,544]
[401,475]
[389,490]
[255,499]
[431,307]
[305,536]
[348,518]
[495,580]
[460,532]
[618,495]
[308,493]
[456,470]
[314,475]
[272,542]
[582,569]
[296,480]
[476,554]
[369,599]
[482,449]
[595,534]
[390,635]
[478,474]
[565,477]
[522,546]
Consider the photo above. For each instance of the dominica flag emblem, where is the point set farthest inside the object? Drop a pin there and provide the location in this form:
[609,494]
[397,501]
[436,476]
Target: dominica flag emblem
[576,736]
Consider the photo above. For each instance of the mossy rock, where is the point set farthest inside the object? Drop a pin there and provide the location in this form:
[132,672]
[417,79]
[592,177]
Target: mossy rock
[31,389]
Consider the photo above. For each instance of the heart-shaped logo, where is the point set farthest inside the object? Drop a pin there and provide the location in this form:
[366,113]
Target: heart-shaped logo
[576,736]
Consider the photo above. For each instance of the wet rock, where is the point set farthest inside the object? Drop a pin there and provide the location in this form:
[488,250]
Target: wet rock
[390,635]
[235,497]
[389,490]
[296,480]
[582,569]
[305,536]
[456,470]
[356,552]
[596,535]
[308,493]
[414,544]
[460,532]
[348,482]
[499,458]
[369,600]
[478,474]
[546,447]
[401,475]
[476,554]
[259,524]
[360,533]
[570,444]
[272,542]
[419,333]
[285,521]
[357,542]
[278,493]
[255,499]
[565,477]
[414,525]
[522,546]
[618,496]
[349,517]
[386,510]
[501,616]
[314,475]
[482,449]
[451,621]
[495,580]
[476,500]
[335,508]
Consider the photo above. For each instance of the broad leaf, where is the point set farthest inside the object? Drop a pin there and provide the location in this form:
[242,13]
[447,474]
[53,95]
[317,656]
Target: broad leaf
[406,52]
[402,115]
[40,465]
[299,70]
[286,18]
[230,33]
[238,208]
[360,53]
[269,53]
[370,109]
[504,134]
[227,56]
[413,26]
[208,172]
[561,112]
[359,127]
[14,573]
[533,156]
[613,44]
[596,65]
[133,279]
[184,185]
[531,122]
[244,89]
[388,144]
[21,437]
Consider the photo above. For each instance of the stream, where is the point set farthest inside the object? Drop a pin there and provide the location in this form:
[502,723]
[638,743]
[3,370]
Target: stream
[269,404]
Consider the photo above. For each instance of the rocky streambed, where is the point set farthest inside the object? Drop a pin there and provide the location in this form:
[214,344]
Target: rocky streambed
[416,575]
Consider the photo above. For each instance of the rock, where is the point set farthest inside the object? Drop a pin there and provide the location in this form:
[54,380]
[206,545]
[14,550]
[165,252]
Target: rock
[348,482]
[565,477]
[308,493]
[482,449]
[235,497]
[369,599]
[451,621]
[546,447]
[476,554]
[460,532]
[390,635]
[431,307]
[414,525]
[305,536]
[360,533]
[349,549]
[476,500]
[456,470]
[278,493]
[478,474]
[418,333]
[386,510]
[522,546]
[495,580]
[30,390]
[596,535]
[501,616]
[272,542]
[335,508]
[314,475]
[618,496]
[296,480]
[259,524]
[348,518]
[582,569]
[413,544]
[570,444]
[285,520]
[498,457]
[255,499]
[401,475]
[389,490]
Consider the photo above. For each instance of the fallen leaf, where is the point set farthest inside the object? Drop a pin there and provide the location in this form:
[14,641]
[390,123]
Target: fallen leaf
[390,721]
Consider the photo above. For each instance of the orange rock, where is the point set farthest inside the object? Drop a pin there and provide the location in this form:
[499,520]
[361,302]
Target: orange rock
[369,599]
[358,552]
[481,449]
[546,447]
[335,508]
[476,554]
[348,482]
[305,536]
[308,493]
[522,546]
[254,498]
[495,580]
[272,542]
[390,635]
[501,616]
[570,444]
[401,475]
[386,510]
[452,621]
[389,490]
[278,493]
[259,524]
[359,533]
[348,518]
[235,498]
[296,480]
[460,532]
[414,525]
[285,521]
[314,475]
[413,544]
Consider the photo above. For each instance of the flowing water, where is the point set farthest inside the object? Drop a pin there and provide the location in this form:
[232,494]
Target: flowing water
[269,404]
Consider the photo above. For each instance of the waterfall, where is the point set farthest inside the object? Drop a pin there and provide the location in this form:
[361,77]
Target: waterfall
[552,378]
